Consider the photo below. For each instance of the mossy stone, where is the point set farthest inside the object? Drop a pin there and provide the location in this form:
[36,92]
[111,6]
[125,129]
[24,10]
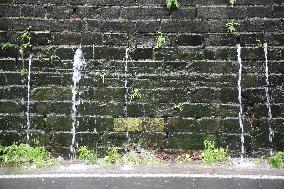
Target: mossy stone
[139,124]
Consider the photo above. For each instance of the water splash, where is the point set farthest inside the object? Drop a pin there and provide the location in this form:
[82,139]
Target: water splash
[79,61]
[29,102]
[93,51]
[240,101]
[126,60]
[271,132]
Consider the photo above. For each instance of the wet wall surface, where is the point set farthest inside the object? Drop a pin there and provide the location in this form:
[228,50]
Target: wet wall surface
[197,67]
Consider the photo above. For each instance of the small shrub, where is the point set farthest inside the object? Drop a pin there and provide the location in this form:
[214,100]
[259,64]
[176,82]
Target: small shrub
[144,157]
[183,158]
[149,158]
[113,156]
[24,153]
[88,156]
[277,161]
[131,158]
[212,154]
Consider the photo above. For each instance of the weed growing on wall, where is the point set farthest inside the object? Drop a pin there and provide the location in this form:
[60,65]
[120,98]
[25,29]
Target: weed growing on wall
[212,154]
[277,161]
[135,95]
[231,26]
[25,38]
[190,6]
[25,43]
[259,43]
[7,45]
[179,107]
[51,52]
[172,4]
[232,3]
[160,41]
[25,154]
[101,75]
[24,72]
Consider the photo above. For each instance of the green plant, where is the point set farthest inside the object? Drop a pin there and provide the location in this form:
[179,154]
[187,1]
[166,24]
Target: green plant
[24,153]
[131,158]
[135,94]
[172,4]
[231,26]
[212,154]
[232,3]
[179,107]
[183,158]
[101,75]
[144,157]
[7,45]
[51,51]
[258,43]
[150,158]
[161,40]
[25,38]
[35,142]
[112,156]
[277,161]
[189,6]
[24,72]
[88,156]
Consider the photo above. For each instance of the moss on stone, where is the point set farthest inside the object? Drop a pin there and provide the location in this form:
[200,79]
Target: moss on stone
[154,124]
[128,124]
[139,124]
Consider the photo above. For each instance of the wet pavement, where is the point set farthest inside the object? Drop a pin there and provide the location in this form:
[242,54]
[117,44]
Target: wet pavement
[251,174]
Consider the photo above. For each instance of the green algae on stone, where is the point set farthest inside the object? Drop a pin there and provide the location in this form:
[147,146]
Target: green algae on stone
[52,93]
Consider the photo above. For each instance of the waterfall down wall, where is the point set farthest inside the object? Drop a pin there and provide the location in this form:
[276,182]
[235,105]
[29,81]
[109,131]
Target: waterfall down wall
[188,87]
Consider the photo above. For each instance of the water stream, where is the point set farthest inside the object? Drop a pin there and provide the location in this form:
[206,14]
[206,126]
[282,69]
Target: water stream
[126,59]
[271,132]
[240,101]
[77,67]
[29,102]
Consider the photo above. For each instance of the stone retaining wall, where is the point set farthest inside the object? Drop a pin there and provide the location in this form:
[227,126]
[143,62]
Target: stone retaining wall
[196,67]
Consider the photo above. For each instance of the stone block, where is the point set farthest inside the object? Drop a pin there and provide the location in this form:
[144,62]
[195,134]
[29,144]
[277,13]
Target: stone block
[138,124]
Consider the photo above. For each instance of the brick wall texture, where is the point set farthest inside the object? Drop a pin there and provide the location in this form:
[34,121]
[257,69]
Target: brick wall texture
[196,67]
